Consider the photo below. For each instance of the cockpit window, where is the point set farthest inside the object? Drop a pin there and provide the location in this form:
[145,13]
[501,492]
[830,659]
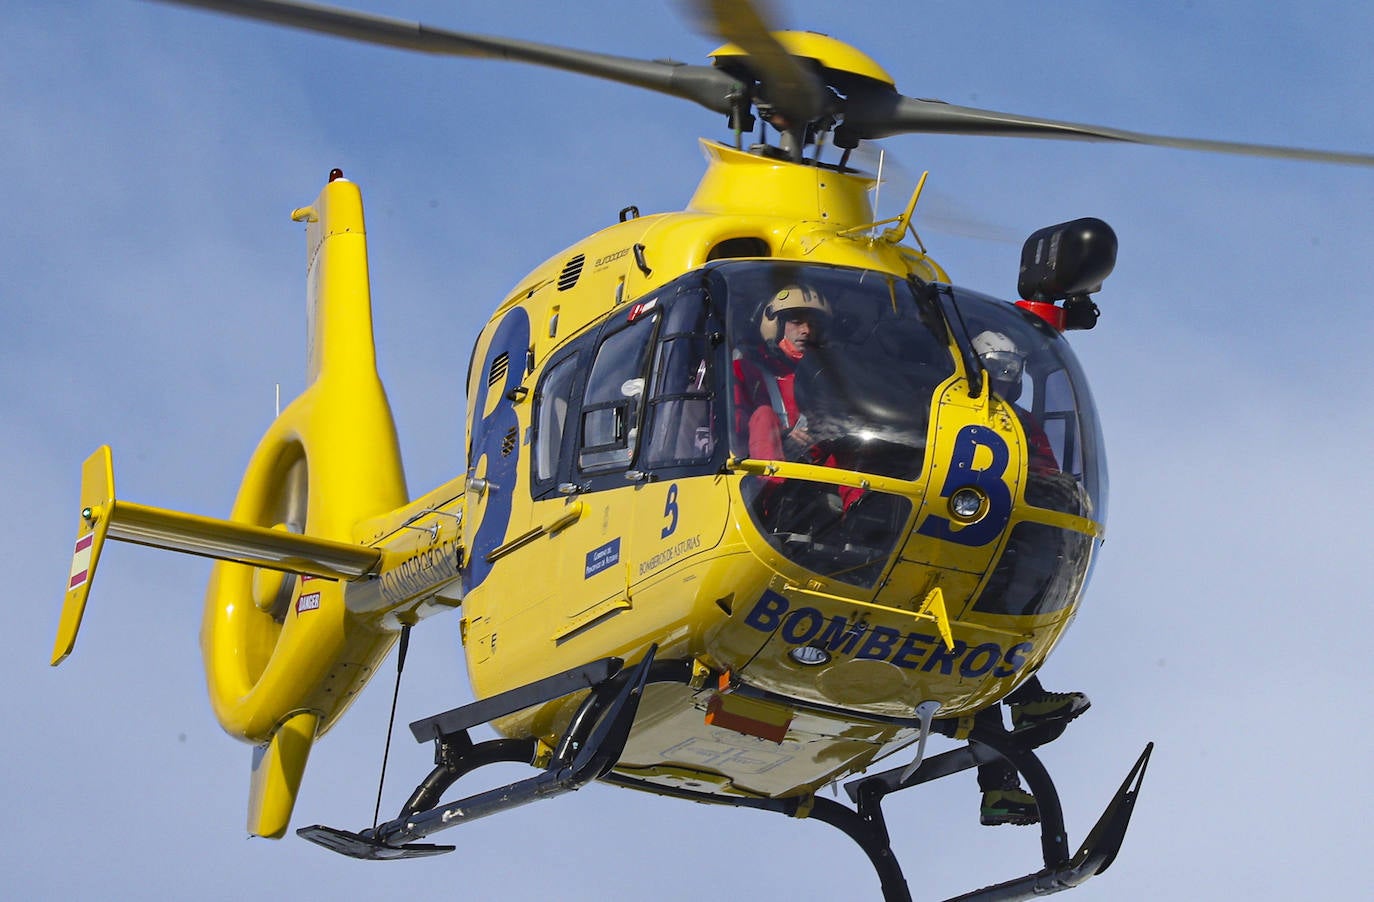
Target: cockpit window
[682,411]
[1031,367]
[840,532]
[551,401]
[613,400]
[837,368]
[831,366]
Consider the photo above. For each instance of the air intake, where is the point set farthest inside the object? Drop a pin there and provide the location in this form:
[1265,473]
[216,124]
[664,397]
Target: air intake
[571,271]
[499,366]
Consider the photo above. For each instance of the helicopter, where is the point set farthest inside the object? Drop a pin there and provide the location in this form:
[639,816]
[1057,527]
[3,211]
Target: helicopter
[440,519]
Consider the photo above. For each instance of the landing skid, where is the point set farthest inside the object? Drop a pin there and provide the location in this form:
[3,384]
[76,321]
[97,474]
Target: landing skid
[596,738]
[867,826]
[590,747]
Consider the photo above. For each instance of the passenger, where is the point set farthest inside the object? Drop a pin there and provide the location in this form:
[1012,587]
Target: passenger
[1031,704]
[1004,801]
[1005,363]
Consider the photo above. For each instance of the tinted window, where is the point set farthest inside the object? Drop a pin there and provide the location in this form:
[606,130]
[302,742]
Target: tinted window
[551,402]
[613,401]
[837,531]
[855,390]
[1031,367]
[682,421]
[1042,570]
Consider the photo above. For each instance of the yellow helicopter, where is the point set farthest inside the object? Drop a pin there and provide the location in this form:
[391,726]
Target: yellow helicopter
[787,619]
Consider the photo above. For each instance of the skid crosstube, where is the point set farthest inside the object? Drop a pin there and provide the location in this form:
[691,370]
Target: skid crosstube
[596,737]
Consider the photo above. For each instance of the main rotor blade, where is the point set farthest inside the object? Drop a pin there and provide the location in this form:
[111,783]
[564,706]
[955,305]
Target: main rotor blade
[704,85]
[792,90]
[879,115]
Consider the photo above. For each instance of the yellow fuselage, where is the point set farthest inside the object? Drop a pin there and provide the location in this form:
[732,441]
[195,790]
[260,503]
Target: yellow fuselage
[584,574]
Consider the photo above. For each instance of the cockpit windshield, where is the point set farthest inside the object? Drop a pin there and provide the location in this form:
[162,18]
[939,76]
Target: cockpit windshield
[1031,367]
[832,366]
[835,367]
[839,367]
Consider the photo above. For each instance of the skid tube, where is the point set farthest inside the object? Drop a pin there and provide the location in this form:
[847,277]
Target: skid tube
[867,825]
[590,747]
[596,737]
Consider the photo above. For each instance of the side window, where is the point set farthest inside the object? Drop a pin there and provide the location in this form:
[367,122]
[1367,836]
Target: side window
[681,413]
[552,399]
[1061,423]
[613,404]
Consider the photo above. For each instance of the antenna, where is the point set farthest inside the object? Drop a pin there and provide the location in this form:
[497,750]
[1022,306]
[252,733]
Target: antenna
[878,187]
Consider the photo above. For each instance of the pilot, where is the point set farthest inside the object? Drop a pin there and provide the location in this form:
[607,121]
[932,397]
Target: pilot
[1005,364]
[792,323]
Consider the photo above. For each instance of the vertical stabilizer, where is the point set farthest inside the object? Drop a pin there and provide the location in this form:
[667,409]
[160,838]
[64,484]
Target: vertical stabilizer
[97,497]
[277,770]
[280,650]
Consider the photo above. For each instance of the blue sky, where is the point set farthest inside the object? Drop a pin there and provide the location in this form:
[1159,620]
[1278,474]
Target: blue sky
[151,288]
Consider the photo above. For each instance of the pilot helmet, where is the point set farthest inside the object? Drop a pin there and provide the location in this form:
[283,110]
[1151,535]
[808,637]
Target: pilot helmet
[791,301]
[1001,358]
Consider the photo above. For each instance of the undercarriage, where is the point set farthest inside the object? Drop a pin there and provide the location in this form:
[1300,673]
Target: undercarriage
[596,736]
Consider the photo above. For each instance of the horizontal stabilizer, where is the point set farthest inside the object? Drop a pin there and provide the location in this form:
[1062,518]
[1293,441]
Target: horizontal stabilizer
[104,517]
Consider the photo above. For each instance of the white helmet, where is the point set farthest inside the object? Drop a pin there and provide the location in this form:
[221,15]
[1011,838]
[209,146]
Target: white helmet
[1003,362]
[792,299]
[1001,357]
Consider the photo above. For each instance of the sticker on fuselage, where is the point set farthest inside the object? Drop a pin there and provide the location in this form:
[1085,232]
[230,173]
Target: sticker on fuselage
[804,625]
[601,558]
[81,561]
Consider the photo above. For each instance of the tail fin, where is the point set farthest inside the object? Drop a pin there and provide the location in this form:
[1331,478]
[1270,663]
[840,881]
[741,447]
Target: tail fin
[97,497]
[282,658]
[278,768]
